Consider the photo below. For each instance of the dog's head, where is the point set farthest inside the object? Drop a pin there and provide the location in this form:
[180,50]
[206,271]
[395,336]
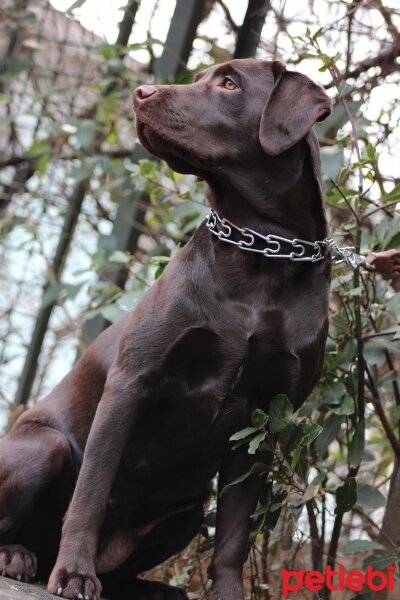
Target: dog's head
[230,114]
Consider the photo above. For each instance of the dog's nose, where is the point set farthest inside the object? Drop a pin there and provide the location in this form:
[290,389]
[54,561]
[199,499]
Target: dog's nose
[145,91]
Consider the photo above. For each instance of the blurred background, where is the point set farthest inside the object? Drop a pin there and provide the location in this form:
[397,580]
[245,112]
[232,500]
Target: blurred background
[88,220]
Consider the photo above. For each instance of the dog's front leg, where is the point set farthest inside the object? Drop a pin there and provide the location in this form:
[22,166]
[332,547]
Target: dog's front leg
[234,509]
[74,573]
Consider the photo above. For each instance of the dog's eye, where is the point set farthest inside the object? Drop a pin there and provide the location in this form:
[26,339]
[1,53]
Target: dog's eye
[229,84]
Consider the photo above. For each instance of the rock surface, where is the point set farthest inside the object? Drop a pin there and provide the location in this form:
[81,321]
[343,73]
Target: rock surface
[14,590]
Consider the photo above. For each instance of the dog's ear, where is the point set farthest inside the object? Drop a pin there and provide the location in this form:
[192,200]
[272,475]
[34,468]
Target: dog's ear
[296,103]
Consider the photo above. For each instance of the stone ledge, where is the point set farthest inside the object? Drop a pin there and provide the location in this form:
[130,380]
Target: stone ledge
[15,590]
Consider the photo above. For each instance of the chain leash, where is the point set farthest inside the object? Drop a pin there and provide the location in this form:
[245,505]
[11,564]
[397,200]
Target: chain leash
[348,255]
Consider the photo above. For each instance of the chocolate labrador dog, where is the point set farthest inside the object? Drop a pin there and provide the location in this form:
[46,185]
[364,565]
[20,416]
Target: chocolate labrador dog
[129,441]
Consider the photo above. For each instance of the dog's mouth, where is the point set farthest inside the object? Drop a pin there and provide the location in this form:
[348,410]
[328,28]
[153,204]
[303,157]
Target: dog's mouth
[157,142]
[141,133]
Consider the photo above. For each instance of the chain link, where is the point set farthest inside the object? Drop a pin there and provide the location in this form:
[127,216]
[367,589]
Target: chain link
[348,255]
[222,229]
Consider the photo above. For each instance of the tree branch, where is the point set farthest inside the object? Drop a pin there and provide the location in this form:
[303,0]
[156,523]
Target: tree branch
[386,60]
[376,400]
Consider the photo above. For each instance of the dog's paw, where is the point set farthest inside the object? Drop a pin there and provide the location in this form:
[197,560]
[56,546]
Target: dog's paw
[17,562]
[73,584]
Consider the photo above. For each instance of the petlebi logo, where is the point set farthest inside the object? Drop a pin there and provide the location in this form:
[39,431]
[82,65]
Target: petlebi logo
[338,580]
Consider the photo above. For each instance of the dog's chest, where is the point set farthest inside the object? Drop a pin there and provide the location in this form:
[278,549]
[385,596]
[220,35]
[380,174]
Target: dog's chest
[268,366]
[210,382]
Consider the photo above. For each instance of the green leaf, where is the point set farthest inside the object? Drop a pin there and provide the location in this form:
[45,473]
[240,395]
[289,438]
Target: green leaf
[343,356]
[160,260]
[112,312]
[301,458]
[243,433]
[331,428]
[130,299]
[374,353]
[335,197]
[257,468]
[369,497]
[385,344]
[357,546]
[258,418]
[346,406]
[370,151]
[147,167]
[309,431]
[261,510]
[393,305]
[280,413]
[393,243]
[332,391]
[356,446]
[318,33]
[43,162]
[53,292]
[297,500]
[387,231]
[119,257]
[85,130]
[346,496]
[184,210]
[16,65]
[297,436]
[380,563]
[332,160]
[39,149]
[391,196]
[256,441]
[338,118]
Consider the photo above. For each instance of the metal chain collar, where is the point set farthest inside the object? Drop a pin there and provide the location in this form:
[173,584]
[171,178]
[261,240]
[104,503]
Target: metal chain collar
[303,250]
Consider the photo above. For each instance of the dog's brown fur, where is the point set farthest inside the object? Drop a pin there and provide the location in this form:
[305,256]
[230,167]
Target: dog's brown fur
[140,426]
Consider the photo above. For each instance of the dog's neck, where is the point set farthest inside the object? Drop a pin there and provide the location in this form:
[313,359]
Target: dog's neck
[279,195]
